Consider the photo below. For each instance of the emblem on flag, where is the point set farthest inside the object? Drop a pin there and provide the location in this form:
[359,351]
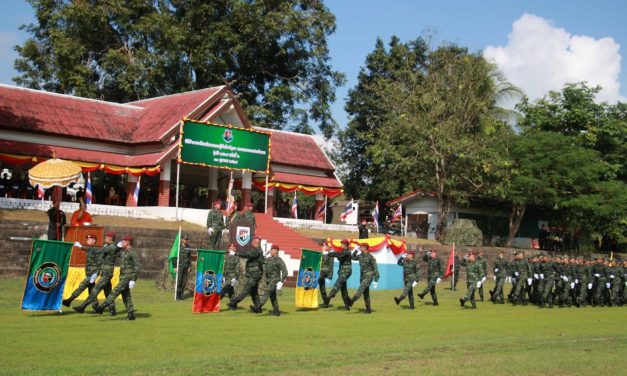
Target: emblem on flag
[209,282]
[243,235]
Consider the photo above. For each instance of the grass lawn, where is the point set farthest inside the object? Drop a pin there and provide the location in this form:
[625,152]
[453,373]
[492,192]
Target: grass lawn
[167,339]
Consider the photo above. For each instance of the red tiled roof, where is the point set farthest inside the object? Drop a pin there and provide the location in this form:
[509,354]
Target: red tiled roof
[297,149]
[409,195]
[314,181]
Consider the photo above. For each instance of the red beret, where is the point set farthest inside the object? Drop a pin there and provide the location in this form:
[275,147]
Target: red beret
[217,202]
[231,245]
[257,237]
[110,234]
[91,236]
[345,241]
[472,253]
[248,205]
[274,246]
[128,238]
[411,253]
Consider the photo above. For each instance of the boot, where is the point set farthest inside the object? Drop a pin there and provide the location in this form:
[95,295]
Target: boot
[541,304]
[462,301]
[325,303]
[100,308]
[421,296]
[474,306]
[351,301]
[79,309]
[277,311]
[232,306]
[67,302]
[435,302]
[112,312]
[368,310]
[397,300]
[131,315]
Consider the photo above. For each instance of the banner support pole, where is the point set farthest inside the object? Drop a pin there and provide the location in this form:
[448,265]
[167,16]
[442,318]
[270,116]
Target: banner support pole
[266,197]
[178,176]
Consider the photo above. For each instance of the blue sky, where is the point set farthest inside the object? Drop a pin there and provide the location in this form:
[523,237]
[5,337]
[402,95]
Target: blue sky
[539,45]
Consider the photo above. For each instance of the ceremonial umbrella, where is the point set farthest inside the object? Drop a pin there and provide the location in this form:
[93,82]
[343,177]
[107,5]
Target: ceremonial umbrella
[54,172]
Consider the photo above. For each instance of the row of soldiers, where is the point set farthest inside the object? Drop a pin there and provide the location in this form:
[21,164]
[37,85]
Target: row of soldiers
[99,267]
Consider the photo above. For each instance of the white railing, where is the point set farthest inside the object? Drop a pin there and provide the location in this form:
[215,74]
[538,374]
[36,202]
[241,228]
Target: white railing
[315,225]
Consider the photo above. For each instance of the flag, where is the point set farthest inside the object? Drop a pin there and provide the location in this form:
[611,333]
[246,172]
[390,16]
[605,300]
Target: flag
[136,193]
[295,206]
[174,253]
[321,212]
[47,273]
[375,214]
[40,191]
[398,213]
[451,262]
[208,281]
[307,282]
[230,200]
[88,194]
[348,209]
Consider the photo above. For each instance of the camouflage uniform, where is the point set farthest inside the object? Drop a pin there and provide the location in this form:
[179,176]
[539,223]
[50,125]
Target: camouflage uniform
[275,272]
[581,284]
[254,265]
[599,272]
[230,271]
[367,272]
[215,221]
[411,274]
[457,265]
[520,273]
[109,254]
[501,267]
[483,261]
[615,274]
[326,272]
[568,284]
[344,273]
[129,267]
[184,263]
[434,271]
[92,265]
[547,282]
[247,215]
[474,272]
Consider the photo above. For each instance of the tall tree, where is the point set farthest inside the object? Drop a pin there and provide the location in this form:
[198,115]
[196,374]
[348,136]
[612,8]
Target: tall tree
[274,54]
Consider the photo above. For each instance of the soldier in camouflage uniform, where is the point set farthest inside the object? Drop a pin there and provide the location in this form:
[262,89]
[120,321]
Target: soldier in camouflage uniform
[520,273]
[345,271]
[184,263]
[230,272]
[456,265]
[215,225]
[474,272]
[501,267]
[615,280]
[110,252]
[92,265]
[547,282]
[253,270]
[581,282]
[568,282]
[483,261]
[599,271]
[535,287]
[434,275]
[247,214]
[129,267]
[275,272]
[368,272]
[326,270]
[411,277]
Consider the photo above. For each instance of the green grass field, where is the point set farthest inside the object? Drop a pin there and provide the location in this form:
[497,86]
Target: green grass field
[167,339]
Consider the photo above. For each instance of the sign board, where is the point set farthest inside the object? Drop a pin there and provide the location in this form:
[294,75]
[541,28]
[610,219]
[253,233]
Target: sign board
[241,233]
[224,146]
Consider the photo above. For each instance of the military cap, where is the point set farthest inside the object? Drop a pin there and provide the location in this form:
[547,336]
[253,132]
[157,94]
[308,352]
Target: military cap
[275,246]
[257,237]
[365,245]
[217,202]
[230,245]
[433,250]
[248,204]
[110,234]
[472,253]
[411,252]
[128,238]
[91,236]
[345,241]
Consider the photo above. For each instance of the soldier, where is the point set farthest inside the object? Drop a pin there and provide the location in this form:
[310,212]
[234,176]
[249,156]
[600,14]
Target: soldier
[215,225]
[129,267]
[456,265]
[599,272]
[547,281]
[92,265]
[326,270]
[247,214]
[434,275]
[483,261]
[254,265]
[368,272]
[520,273]
[411,277]
[500,270]
[363,229]
[230,272]
[474,272]
[581,281]
[57,220]
[345,271]
[184,263]
[615,278]
[275,272]
[568,282]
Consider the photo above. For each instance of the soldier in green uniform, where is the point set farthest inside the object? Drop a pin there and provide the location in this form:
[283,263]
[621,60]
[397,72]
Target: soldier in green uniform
[434,275]
[230,272]
[535,287]
[345,271]
[614,274]
[253,270]
[520,273]
[275,272]
[456,265]
[411,277]
[547,282]
[215,225]
[474,272]
[326,270]
[568,282]
[109,253]
[581,282]
[501,267]
[247,214]
[184,262]
[92,265]
[129,267]
[599,272]
[368,272]
[483,261]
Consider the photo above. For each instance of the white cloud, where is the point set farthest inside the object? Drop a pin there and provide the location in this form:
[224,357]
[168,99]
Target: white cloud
[540,57]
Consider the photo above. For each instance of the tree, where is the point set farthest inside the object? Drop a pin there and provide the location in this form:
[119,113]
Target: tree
[274,54]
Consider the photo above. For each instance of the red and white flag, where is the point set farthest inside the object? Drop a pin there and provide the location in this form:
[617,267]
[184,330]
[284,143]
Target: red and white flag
[398,213]
[295,207]
[451,262]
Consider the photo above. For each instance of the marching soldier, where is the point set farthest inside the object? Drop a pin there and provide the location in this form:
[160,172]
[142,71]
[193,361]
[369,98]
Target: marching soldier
[615,278]
[547,281]
[254,265]
[599,272]
[326,270]
[345,271]
[520,274]
[500,270]
[483,261]
[230,273]
[92,265]
[184,263]
[129,267]
[275,272]
[368,272]
[434,275]
[109,253]
[456,266]
[411,277]
[474,272]
[215,225]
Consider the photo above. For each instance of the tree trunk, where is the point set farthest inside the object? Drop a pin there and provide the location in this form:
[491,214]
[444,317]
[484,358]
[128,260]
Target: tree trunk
[515,217]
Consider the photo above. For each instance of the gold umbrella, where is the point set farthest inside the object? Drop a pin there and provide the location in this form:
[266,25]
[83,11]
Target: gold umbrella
[54,172]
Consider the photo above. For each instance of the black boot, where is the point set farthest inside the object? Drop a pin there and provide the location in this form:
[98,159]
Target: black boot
[79,309]
[351,301]
[100,308]
[368,310]
[421,296]
[462,301]
[325,302]
[232,306]
[277,311]
[131,315]
[67,302]
[112,312]
[397,300]
[474,306]
[435,302]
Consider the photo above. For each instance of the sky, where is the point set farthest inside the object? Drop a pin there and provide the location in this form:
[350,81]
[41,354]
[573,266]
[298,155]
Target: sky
[539,45]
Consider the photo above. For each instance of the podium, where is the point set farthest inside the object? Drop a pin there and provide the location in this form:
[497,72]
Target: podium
[79,234]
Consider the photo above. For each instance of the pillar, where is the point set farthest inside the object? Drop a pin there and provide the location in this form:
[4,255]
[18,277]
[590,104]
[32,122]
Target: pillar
[57,193]
[270,204]
[131,182]
[213,185]
[164,184]
[318,205]
[247,181]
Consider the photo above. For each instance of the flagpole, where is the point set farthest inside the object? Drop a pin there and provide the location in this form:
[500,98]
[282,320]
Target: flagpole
[178,175]
[325,208]
[453,269]
[178,257]
[266,204]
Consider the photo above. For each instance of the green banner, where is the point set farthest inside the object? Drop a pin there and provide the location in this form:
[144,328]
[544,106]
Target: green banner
[222,146]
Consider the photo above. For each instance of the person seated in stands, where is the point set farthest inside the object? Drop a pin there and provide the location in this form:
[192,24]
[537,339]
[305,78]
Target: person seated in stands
[113,198]
[4,184]
[80,217]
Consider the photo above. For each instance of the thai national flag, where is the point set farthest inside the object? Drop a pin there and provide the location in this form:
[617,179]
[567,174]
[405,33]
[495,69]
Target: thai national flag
[136,193]
[88,194]
[321,212]
[398,214]
[375,214]
[295,207]
[348,209]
